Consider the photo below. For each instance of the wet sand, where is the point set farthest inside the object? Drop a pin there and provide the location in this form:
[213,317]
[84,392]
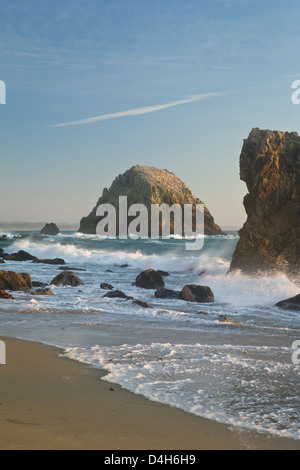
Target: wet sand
[50,402]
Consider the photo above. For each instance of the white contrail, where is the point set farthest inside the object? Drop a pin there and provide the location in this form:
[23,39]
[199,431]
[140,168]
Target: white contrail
[138,111]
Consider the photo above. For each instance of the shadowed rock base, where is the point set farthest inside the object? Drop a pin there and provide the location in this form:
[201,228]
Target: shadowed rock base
[290,304]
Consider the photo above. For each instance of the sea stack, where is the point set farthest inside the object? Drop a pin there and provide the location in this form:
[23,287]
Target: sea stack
[270,239]
[148,185]
[50,229]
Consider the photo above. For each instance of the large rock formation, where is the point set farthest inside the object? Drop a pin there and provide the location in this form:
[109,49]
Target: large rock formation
[147,185]
[270,238]
[50,229]
[9,280]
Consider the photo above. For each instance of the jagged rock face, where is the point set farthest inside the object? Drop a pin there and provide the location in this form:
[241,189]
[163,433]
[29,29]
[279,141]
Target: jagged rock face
[147,185]
[270,238]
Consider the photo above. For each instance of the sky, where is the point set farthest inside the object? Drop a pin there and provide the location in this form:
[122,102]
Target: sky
[94,87]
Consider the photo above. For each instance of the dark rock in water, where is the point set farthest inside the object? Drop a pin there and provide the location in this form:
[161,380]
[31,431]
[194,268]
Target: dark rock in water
[1,252]
[195,293]
[67,268]
[67,278]
[124,265]
[140,303]
[201,273]
[2,261]
[50,229]
[20,256]
[109,271]
[202,313]
[54,261]
[21,236]
[293,303]
[163,273]
[149,279]
[226,319]
[42,292]
[5,295]
[3,238]
[10,280]
[106,286]
[116,294]
[39,284]
[148,185]
[163,293]
[270,239]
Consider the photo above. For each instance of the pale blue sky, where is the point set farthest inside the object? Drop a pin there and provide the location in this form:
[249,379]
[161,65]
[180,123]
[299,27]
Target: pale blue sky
[73,60]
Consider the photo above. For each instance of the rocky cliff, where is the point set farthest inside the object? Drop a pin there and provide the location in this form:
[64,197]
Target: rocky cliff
[147,185]
[270,238]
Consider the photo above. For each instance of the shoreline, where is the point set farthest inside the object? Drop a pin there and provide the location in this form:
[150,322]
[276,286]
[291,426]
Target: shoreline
[52,402]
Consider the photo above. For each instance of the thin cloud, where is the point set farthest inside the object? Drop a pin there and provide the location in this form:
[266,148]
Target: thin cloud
[139,111]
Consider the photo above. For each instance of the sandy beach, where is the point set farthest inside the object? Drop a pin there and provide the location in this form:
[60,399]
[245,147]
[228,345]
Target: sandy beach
[49,402]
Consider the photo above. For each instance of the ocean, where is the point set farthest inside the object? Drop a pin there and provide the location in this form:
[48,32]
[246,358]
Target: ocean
[179,353]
